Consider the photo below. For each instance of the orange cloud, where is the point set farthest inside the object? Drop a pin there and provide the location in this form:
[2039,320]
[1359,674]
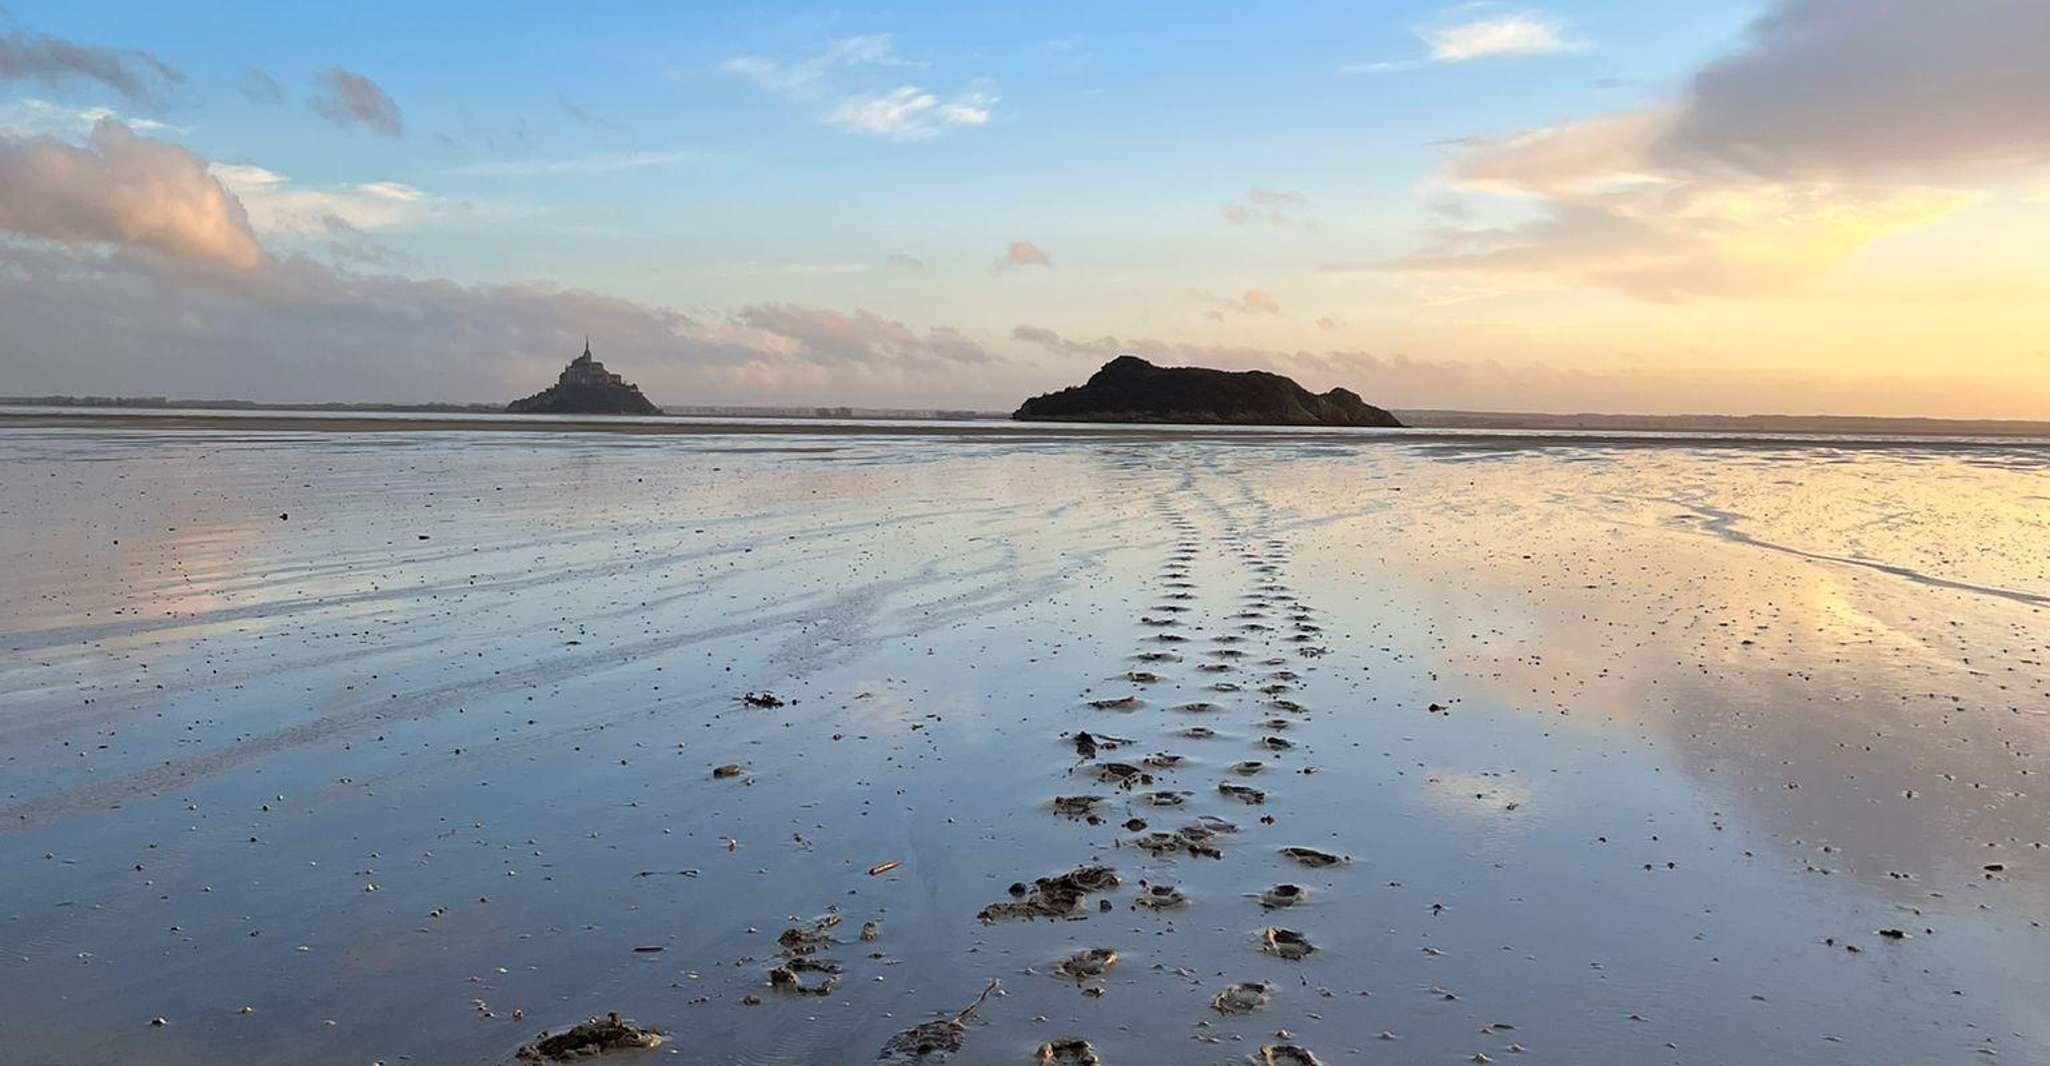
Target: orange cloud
[122,189]
[1024,254]
[1784,159]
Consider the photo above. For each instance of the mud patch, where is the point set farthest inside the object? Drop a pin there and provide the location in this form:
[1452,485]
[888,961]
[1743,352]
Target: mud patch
[1086,964]
[1286,943]
[1053,897]
[594,1036]
[1242,998]
[933,1041]
[1068,1051]
[806,976]
[1242,793]
[1283,895]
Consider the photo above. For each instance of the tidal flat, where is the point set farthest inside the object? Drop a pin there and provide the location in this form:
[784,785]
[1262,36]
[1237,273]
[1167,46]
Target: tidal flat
[402,744]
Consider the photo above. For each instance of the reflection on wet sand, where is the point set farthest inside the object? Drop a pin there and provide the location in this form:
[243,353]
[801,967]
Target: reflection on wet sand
[407,743]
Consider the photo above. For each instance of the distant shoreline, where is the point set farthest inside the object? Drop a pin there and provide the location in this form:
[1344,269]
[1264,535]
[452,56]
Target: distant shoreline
[1415,418]
[1488,437]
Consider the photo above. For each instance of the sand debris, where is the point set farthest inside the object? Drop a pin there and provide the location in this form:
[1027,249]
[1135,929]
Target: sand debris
[1242,998]
[1160,898]
[1068,1051]
[1242,793]
[1311,857]
[1054,897]
[1076,806]
[590,1037]
[1198,839]
[1122,774]
[808,940]
[935,1040]
[1087,963]
[789,977]
[1286,943]
[1283,895]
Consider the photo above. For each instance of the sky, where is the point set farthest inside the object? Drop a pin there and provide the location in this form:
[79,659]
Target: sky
[1789,206]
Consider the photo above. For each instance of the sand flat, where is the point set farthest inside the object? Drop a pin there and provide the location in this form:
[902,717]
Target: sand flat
[386,731]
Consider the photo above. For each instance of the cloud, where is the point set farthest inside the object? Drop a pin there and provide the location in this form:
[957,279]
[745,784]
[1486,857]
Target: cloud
[1405,382]
[587,117]
[351,247]
[354,100]
[904,262]
[909,113]
[1481,31]
[138,76]
[1259,195]
[1829,89]
[29,117]
[1024,254]
[306,330]
[904,113]
[856,337]
[101,267]
[1267,207]
[588,165]
[261,88]
[1330,325]
[806,79]
[1253,302]
[1804,146]
[1508,34]
[278,207]
[121,189]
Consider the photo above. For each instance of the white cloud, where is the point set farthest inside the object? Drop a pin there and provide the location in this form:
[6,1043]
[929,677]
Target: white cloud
[278,207]
[29,117]
[905,113]
[806,79]
[1519,34]
[1480,31]
[909,113]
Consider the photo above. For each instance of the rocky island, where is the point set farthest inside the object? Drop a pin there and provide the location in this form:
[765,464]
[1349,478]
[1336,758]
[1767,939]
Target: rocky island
[1130,389]
[586,388]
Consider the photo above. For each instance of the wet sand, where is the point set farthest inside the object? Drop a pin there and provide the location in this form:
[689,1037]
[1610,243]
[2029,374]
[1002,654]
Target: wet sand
[414,743]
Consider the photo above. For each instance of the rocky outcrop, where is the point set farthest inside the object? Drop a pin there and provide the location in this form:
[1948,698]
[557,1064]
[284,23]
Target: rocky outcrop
[586,388]
[1130,389]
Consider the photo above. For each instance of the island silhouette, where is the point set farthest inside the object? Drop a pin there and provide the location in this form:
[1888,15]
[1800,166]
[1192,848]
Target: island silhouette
[1130,389]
